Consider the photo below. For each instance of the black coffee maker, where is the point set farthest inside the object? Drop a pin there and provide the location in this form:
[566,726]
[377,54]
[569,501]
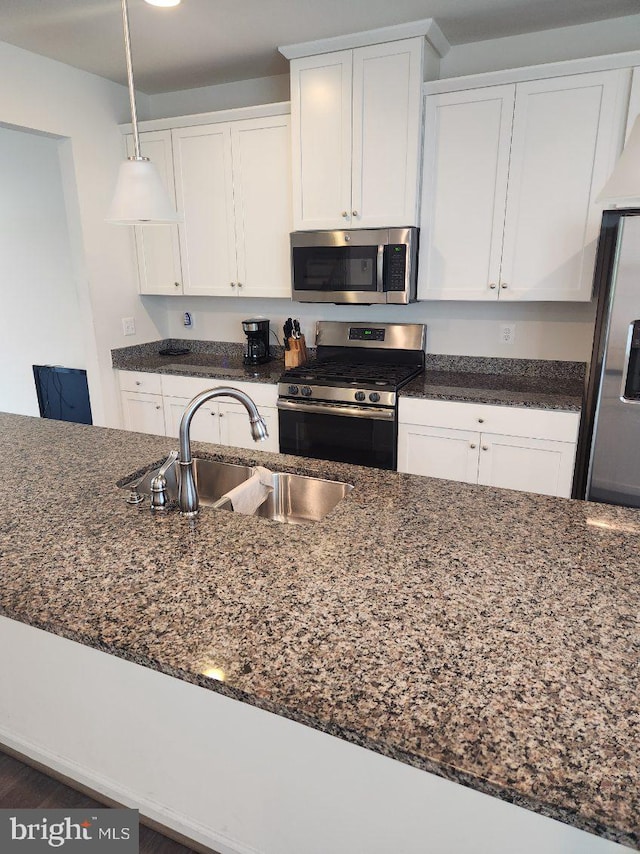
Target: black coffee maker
[257,331]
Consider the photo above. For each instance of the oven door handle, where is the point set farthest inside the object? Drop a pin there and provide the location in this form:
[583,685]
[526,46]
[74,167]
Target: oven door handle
[370,412]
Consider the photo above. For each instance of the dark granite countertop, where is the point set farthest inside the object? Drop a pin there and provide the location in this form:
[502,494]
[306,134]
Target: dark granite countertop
[217,360]
[531,383]
[508,382]
[487,636]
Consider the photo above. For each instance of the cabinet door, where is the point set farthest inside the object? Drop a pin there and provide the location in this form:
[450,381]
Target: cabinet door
[142,412]
[205,425]
[529,465]
[204,189]
[466,165]
[158,246]
[235,429]
[565,135]
[387,119]
[262,203]
[634,102]
[321,140]
[438,452]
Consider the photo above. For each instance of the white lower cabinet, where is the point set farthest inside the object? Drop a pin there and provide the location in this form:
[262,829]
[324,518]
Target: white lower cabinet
[531,450]
[222,423]
[235,429]
[205,426]
[141,400]
[155,403]
[143,413]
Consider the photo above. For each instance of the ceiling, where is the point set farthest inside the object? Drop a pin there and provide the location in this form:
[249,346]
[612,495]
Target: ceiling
[206,42]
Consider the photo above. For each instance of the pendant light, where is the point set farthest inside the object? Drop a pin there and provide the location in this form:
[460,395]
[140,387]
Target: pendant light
[140,196]
[623,187]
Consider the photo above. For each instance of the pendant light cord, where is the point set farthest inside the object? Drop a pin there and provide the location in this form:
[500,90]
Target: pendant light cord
[132,94]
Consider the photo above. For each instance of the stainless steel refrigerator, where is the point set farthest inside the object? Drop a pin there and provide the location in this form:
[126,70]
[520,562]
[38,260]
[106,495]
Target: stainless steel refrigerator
[608,462]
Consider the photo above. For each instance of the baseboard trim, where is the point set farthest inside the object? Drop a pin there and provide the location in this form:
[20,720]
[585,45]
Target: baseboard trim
[107,792]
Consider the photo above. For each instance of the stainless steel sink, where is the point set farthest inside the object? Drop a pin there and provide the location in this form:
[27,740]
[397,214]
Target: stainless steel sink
[213,479]
[296,499]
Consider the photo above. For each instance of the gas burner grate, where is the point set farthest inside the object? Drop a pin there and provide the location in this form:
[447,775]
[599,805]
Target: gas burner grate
[352,374]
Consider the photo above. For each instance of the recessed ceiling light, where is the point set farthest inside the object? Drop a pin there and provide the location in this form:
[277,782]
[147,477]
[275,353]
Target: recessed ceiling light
[163,2]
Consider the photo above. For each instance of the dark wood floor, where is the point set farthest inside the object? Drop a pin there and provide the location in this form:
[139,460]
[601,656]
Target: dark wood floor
[22,787]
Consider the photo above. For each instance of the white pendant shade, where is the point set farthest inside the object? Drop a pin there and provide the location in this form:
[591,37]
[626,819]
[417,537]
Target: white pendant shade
[140,196]
[623,187]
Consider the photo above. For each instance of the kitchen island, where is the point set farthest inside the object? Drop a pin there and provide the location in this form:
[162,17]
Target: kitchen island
[478,635]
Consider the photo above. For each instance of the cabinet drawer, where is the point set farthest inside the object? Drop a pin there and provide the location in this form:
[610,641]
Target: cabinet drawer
[263,394]
[140,381]
[508,420]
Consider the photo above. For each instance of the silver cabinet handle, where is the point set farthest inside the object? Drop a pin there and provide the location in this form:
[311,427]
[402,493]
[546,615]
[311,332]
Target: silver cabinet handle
[354,213]
[345,214]
[493,286]
[138,382]
[239,284]
[485,447]
[480,420]
[158,407]
[177,284]
[504,285]
[472,446]
[233,284]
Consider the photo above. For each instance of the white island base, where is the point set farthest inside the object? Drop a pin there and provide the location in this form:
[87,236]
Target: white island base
[235,778]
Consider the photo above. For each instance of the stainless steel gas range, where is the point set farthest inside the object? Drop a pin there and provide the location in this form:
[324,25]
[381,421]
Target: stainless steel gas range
[343,405]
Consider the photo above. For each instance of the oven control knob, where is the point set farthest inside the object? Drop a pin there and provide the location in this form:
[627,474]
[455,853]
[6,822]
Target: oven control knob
[293,389]
[374,397]
[360,395]
[306,391]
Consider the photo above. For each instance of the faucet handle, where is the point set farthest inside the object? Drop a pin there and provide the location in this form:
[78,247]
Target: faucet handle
[159,499]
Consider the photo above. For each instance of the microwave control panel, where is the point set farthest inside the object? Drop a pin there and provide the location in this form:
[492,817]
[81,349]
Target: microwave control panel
[395,262]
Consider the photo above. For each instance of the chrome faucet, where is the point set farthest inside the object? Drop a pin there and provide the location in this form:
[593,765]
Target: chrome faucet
[187,491]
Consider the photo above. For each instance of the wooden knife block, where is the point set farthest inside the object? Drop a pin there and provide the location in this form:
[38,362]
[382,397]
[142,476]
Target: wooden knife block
[297,352]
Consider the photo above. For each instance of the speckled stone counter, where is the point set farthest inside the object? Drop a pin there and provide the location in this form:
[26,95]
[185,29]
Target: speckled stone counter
[533,383]
[530,383]
[487,636]
[215,359]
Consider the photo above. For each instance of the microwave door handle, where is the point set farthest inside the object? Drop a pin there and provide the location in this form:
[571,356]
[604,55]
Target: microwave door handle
[380,268]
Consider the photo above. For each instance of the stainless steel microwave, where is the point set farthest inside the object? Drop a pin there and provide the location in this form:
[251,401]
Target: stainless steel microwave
[362,266]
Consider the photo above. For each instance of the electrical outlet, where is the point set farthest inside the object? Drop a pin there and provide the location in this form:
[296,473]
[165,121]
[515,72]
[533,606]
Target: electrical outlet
[129,325]
[187,320]
[507,333]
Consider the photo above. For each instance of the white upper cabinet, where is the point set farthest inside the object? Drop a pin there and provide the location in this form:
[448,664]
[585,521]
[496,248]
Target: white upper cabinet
[387,98]
[465,191]
[204,189]
[158,246]
[321,140]
[511,174]
[261,150]
[234,192]
[356,117]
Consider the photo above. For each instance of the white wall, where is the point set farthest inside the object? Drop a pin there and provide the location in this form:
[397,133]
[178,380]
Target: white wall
[40,320]
[616,35]
[542,330]
[83,110]
[244,93]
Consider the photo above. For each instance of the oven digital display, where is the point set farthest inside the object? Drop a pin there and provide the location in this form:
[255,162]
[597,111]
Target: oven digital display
[366,333]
